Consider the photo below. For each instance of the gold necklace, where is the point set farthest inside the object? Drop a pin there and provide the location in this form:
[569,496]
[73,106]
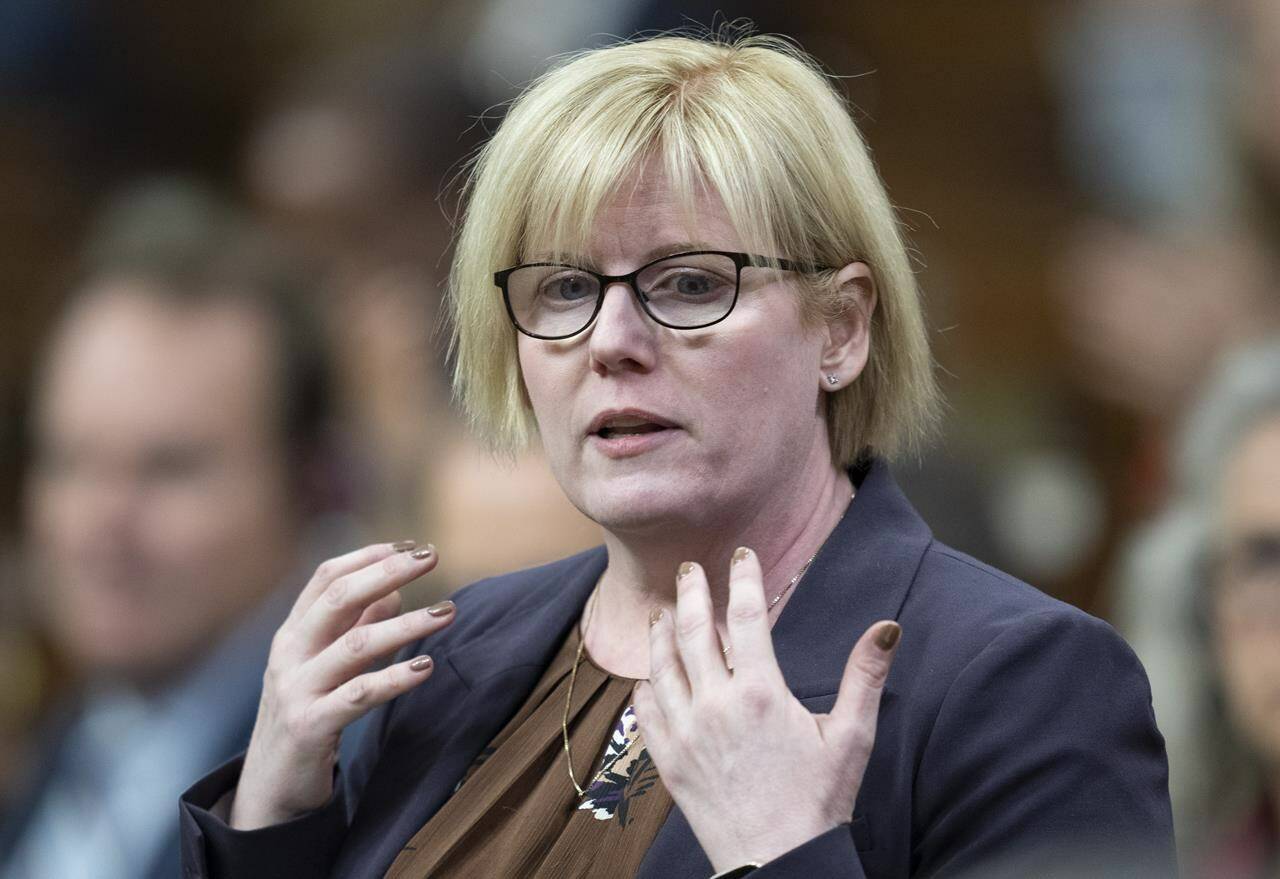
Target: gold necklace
[577,660]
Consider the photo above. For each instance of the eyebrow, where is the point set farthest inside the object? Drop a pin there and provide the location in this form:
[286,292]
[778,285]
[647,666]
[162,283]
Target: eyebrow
[648,256]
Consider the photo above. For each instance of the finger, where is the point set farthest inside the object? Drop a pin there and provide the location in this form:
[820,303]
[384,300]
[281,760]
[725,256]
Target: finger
[858,702]
[333,568]
[666,674]
[747,618]
[651,721]
[695,627]
[346,598]
[384,608]
[362,645]
[649,714]
[367,691]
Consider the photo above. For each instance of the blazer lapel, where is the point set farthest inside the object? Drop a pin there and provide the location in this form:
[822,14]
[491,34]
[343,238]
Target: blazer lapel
[861,574]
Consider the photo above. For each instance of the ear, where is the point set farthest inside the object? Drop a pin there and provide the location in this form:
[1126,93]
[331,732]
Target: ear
[848,334]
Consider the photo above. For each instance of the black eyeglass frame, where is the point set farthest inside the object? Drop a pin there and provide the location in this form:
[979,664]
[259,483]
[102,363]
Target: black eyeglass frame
[740,261]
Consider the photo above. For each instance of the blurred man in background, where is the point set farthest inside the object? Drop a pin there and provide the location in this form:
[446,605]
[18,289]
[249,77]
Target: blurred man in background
[176,431]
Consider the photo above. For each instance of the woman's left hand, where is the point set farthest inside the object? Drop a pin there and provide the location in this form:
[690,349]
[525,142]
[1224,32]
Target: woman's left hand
[755,773]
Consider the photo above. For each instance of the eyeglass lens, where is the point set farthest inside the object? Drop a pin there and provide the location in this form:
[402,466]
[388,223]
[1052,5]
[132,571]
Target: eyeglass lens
[682,291]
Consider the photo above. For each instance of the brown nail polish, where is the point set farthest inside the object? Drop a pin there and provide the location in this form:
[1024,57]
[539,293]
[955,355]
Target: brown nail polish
[740,554]
[422,663]
[404,545]
[655,614]
[441,609]
[888,636]
[686,568]
[425,553]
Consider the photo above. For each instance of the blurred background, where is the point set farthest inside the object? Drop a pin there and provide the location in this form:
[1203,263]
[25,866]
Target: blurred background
[1092,191]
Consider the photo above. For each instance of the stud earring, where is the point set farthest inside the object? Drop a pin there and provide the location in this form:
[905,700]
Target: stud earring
[833,380]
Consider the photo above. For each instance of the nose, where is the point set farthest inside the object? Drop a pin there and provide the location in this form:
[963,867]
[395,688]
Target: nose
[622,336]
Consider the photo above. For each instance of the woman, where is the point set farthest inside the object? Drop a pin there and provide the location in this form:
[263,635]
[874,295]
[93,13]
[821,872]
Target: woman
[1203,593]
[707,316]
[1244,618]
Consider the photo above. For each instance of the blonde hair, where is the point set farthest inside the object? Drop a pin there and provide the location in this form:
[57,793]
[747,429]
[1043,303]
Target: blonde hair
[753,119]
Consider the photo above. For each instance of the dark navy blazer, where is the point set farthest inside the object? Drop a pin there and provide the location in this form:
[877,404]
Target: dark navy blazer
[1011,724]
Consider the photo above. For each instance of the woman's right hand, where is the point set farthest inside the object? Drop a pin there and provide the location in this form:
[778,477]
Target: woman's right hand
[317,679]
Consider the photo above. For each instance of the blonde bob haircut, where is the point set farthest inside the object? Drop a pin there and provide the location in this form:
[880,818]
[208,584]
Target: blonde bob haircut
[753,120]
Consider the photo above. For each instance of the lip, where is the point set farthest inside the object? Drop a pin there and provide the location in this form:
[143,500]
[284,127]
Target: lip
[630,445]
[639,414]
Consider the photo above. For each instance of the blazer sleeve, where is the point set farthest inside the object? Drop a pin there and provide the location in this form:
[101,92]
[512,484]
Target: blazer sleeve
[1044,756]
[831,854]
[304,847]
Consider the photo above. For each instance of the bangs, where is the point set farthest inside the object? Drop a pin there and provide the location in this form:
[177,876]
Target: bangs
[584,154]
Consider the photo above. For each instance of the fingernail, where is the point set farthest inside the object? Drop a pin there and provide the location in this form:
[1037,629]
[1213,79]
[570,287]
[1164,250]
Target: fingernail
[422,663]
[888,636]
[686,568]
[441,609]
[740,554]
[656,614]
[425,553]
[404,545]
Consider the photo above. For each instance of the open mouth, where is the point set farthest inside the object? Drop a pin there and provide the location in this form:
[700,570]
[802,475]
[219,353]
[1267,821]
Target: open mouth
[618,424]
[611,431]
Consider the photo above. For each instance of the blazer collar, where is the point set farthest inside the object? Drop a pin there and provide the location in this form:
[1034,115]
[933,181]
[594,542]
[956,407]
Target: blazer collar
[861,574]
[538,625]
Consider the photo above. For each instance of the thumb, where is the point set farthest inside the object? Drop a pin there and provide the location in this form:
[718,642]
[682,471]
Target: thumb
[858,702]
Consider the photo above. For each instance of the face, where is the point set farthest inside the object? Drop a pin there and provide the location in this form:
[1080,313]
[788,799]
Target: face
[158,505]
[1246,594]
[700,427]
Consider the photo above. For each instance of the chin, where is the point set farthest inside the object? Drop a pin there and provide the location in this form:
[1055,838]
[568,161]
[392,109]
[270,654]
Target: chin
[640,502]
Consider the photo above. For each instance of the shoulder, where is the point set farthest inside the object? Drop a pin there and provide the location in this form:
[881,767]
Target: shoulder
[983,650]
[1030,719]
[983,610]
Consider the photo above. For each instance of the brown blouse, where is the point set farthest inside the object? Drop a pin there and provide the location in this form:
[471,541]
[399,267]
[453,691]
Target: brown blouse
[516,813]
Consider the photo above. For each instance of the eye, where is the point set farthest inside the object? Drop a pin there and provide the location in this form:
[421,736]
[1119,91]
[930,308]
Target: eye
[689,283]
[567,286]
[694,284]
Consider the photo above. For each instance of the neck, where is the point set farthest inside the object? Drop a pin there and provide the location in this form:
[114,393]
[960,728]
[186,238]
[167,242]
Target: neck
[785,531]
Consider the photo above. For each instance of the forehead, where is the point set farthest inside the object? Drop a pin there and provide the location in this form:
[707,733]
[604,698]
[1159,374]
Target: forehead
[645,216]
[1251,481]
[131,366]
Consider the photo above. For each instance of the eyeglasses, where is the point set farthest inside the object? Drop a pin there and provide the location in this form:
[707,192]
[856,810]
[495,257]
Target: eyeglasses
[685,291]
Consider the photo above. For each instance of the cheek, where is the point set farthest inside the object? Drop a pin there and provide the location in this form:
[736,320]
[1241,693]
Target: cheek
[1250,666]
[772,388]
[548,378]
[230,525]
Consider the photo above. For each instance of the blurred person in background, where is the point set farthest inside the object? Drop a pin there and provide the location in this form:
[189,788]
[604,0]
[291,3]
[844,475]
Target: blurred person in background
[178,426]
[1172,132]
[1200,598]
